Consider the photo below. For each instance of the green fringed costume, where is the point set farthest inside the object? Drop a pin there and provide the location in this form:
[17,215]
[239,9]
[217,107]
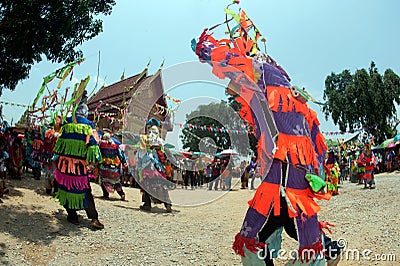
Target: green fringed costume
[75,149]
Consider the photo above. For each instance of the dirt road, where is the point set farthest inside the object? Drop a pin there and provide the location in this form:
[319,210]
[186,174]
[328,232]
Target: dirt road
[34,230]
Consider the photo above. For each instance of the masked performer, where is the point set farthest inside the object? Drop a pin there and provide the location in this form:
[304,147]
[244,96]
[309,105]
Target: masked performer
[36,155]
[153,180]
[110,168]
[77,150]
[332,178]
[280,115]
[50,138]
[368,160]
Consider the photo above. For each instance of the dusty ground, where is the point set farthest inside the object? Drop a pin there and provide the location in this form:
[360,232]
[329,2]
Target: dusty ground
[34,230]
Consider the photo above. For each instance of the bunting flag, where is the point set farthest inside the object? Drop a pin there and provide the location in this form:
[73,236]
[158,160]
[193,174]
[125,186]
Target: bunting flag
[14,104]
[199,139]
[172,99]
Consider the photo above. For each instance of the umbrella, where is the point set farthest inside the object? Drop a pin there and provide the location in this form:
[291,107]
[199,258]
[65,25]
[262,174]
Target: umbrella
[228,152]
[169,145]
[386,143]
[397,137]
[174,152]
[186,153]
[391,145]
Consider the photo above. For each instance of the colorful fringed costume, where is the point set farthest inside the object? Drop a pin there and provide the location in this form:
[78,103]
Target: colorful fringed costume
[368,160]
[75,149]
[50,138]
[16,158]
[36,155]
[280,115]
[152,177]
[360,169]
[110,168]
[332,178]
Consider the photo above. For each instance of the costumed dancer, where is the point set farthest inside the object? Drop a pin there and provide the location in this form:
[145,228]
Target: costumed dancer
[285,198]
[4,156]
[368,159]
[16,159]
[110,167]
[332,178]
[360,165]
[27,161]
[36,154]
[76,150]
[252,171]
[332,173]
[153,180]
[50,138]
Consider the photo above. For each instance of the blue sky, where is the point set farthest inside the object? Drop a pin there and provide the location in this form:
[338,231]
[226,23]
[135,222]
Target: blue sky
[309,38]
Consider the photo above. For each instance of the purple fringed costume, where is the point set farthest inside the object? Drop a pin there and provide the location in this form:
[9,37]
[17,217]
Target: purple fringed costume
[290,144]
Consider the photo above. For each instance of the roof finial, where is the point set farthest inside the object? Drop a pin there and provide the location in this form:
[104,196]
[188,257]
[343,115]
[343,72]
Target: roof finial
[162,63]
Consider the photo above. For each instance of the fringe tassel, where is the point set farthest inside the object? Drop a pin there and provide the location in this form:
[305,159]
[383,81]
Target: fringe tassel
[106,145]
[77,128]
[299,148]
[312,118]
[109,174]
[93,154]
[72,165]
[108,153]
[325,225]
[280,99]
[245,110]
[73,201]
[320,143]
[303,198]
[312,252]
[72,147]
[109,186]
[49,133]
[111,161]
[72,182]
[266,194]
[250,243]
[37,144]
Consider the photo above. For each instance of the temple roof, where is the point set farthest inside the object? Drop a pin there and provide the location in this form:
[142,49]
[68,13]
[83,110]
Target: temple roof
[117,94]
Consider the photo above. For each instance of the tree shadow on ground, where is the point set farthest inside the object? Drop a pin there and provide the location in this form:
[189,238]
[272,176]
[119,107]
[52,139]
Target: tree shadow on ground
[32,222]
[27,182]
[33,225]
[3,261]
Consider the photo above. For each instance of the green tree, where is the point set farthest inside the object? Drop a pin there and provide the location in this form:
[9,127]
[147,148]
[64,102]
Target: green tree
[215,115]
[53,28]
[365,100]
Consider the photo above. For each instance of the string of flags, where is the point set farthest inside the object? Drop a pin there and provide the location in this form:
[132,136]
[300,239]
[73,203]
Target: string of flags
[102,103]
[198,127]
[215,129]
[14,104]
[334,133]
[199,139]
[169,97]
